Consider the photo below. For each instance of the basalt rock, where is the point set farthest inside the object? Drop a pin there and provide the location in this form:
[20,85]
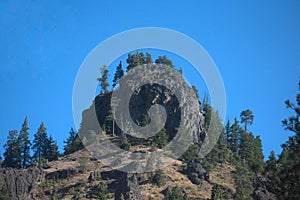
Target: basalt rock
[196,173]
[61,174]
[126,184]
[262,188]
[22,183]
[94,176]
[142,99]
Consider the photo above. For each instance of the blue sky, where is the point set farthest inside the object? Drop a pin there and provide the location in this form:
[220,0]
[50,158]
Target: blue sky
[256,46]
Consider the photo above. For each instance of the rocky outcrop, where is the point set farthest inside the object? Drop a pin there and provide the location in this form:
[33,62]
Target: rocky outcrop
[94,176]
[141,101]
[124,184]
[61,174]
[22,183]
[196,173]
[133,190]
[262,189]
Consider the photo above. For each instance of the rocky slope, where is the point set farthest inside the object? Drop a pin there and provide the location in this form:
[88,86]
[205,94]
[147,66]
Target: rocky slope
[81,176]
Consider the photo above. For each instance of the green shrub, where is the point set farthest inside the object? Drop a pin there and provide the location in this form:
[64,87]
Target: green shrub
[158,178]
[175,193]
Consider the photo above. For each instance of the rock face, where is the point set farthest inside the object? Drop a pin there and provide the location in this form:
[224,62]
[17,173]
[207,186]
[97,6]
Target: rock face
[61,174]
[262,189]
[126,184]
[196,173]
[22,183]
[94,176]
[176,103]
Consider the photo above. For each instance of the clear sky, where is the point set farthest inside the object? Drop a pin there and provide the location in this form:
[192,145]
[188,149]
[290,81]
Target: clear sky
[256,46]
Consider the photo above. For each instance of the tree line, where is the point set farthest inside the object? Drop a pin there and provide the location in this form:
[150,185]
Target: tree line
[239,147]
[20,152]
[133,60]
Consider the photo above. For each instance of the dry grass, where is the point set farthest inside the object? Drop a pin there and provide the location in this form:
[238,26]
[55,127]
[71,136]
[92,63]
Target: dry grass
[221,175]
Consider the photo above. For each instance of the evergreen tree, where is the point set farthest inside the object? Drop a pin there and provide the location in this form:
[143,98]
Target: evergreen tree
[41,144]
[271,165]
[257,165]
[289,160]
[12,153]
[101,191]
[73,143]
[243,182]
[222,146]
[148,58]
[53,149]
[216,134]
[158,178]
[118,75]
[191,153]
[247,118]
[103,79]
[164,61]
[228,134]
[134,60]
[207,112]
[246,147]
[160,140]
[25,144]
[175,193]
[234,138]
[220,193]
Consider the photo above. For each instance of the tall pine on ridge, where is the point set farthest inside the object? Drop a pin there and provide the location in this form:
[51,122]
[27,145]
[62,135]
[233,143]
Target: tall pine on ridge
[12,153]
[25,144]
[118,75]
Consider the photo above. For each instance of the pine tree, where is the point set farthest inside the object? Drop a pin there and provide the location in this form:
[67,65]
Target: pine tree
[160,140]
[73,143]
[289,160]
[257,164]
[175,193]
[246,147]
[220,192]
[118,75]
[148,59]
[164,61]
[243,182]
[207,112]
[103,79]
[25,144]
[228,134]
[101,192]
[234,138]
[53,149]
[271,165]
[12,153]
[222,146]
[134,60]
[40,144]
[191,153]
[247,118]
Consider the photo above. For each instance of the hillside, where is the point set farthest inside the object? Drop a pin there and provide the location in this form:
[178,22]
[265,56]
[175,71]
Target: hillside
[79,174]
[107,159]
